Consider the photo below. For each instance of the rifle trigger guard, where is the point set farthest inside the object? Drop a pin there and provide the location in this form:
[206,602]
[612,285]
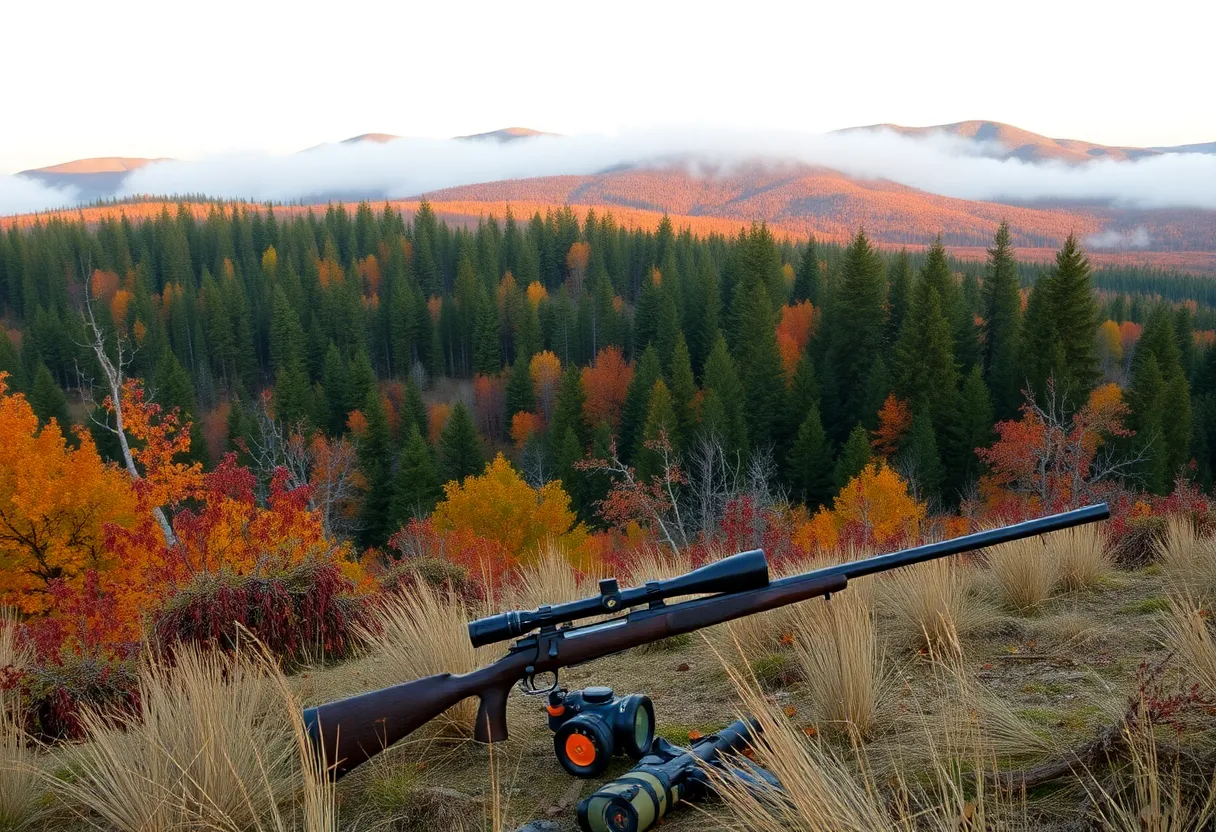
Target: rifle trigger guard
[527,685]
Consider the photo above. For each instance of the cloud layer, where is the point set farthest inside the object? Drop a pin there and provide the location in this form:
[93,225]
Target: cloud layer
[941,164]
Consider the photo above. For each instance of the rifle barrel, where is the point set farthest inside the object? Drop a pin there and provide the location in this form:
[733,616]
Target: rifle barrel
[957,545]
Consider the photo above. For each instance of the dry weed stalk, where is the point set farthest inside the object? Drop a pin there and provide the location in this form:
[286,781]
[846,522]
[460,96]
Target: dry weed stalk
[421,631]
[551,580]
[1080,556]
[1025,573]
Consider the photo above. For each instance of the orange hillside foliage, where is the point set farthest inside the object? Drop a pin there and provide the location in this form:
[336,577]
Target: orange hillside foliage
[437,414]
[523,426]
[499,506]
[55,502]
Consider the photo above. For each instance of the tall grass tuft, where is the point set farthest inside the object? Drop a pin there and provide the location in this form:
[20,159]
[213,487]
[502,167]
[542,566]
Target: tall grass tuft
[212,746]
[654,563]
[1189,632]
[551,580]
[931,605]
[837,650]
[1188,561]
[826,791]
[1025,573]
[21,785]
[1080,556]
[421,631]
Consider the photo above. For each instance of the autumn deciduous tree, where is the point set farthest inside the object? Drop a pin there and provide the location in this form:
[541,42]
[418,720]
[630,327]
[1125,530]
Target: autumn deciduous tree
[499,506]
[794,332]
[55,502]
[876,504]
[1055,461]
[894,422]
[606,384]
[546,372]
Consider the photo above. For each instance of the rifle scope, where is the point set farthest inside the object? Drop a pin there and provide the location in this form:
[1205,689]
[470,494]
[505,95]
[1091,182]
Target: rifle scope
[737,573]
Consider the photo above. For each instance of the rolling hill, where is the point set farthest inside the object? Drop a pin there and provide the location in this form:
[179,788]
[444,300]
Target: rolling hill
[1008,142]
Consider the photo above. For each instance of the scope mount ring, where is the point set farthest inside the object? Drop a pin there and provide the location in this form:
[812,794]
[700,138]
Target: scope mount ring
[527,685]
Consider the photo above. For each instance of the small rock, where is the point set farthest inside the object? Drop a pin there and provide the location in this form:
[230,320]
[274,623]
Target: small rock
[683,666]
[541,826]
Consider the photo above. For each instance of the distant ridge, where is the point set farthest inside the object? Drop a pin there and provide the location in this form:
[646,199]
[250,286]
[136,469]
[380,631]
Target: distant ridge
[508,134]
[100,164]
[378,138]
[1017,143]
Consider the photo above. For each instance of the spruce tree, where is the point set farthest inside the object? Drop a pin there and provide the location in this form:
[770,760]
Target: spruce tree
[920,461]
[976,421]
[759,361]
[810,461]
[722,411]
[637,403]
[683,393]
[854,325]
[486,355]
[335,379]
[1002,327]
[854,456]
[10,361]
[520,394]
[375,462]
[801,397]
[293,397]
[660,424]
[1145,399]
[413,410]
[926,372]
[808,282]
[460,453]
[568,412]
[48,401]
[899,294]
[416,488]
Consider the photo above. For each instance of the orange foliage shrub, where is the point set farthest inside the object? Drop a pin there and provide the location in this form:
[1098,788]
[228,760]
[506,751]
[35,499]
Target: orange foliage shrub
[499,506]
[55,502]
[1110,343]
[434,305]
[606,382]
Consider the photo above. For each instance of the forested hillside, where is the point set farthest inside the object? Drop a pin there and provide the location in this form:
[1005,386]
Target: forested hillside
[563,335]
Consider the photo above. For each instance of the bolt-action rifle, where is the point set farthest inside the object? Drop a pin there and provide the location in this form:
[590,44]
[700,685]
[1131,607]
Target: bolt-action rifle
[350,731]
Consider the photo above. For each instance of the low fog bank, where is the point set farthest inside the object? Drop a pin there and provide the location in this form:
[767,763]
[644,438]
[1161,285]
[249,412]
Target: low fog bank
[24,195]
[941,164]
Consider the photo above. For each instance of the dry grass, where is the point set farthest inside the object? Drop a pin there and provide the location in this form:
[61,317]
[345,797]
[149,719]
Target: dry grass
[21,785]
[420,632]
[826,791]
[1189,633]
[1025,574]
[930,605]
[1149,796]
[212,746]
[1080,556]
[551,580]
[656,563]
[836,647]
[1188,561]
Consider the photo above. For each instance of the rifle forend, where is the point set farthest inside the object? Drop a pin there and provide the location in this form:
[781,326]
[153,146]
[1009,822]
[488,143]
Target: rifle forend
[737,573]
[351,730]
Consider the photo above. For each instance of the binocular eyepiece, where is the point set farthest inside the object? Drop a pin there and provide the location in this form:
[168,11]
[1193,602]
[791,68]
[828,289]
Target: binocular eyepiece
[737,573]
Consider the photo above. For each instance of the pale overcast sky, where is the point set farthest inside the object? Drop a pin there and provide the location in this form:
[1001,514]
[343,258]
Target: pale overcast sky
[189,78]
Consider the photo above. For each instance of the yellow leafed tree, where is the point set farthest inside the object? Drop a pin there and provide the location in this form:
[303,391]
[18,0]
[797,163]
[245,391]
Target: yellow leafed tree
[55,502]
[498,505]
[877,500]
